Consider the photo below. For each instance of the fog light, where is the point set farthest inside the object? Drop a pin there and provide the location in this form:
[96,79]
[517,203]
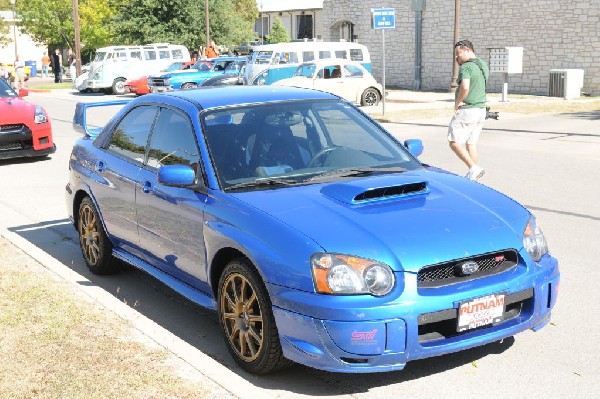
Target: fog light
[44,140]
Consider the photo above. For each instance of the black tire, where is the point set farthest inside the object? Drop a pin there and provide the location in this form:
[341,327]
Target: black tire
[247,320]
[96,248]
[188,86]
[118,86]
[370,97]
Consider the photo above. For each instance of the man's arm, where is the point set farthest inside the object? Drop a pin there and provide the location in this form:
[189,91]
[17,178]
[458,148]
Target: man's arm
[463,92]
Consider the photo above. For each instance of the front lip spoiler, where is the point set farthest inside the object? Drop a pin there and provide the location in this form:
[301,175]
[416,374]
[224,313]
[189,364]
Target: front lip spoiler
[28,153]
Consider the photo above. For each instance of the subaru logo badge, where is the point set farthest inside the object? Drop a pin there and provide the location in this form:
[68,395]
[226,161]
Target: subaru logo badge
[468,268]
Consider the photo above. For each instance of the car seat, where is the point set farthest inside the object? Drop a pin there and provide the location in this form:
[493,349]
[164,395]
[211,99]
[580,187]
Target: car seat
[274,146]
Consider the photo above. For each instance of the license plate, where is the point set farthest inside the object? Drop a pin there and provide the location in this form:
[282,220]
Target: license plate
[480,312]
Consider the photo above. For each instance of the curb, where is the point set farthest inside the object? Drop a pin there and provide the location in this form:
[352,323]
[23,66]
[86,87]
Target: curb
[229,380]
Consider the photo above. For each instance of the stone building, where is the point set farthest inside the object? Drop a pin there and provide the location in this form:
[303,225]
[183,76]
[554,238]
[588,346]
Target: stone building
[301,18]
[553,35]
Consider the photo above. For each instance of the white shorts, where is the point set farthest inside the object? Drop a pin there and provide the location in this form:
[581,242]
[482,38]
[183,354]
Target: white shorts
[466,125]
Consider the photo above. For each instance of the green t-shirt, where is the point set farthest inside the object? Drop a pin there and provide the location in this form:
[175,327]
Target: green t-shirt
[470,70]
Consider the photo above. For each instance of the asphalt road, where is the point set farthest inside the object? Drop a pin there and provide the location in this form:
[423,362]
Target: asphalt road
[550,163]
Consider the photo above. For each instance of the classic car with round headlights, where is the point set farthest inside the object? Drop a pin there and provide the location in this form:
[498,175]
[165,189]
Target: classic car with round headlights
[315,235]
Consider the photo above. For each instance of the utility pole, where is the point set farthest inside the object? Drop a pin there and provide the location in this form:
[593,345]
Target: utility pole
[453,84]
[77,38]
[207,25]
[12,4]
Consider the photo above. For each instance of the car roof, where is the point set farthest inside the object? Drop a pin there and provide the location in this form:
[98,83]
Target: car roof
[223,96]
[329,61]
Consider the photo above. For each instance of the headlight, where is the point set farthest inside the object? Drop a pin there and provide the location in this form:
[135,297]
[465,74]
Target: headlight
[534,241]
[40,115]
[344,274]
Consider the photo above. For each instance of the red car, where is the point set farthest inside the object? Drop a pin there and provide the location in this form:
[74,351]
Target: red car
[139,86]
[25,129]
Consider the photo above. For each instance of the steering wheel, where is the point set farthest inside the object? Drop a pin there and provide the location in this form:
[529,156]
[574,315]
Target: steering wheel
[315,158]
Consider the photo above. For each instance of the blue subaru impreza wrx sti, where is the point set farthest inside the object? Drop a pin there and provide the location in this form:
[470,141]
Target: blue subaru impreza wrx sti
[315,235]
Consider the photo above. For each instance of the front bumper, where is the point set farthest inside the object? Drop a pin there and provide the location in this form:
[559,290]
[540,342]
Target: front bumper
[419,324]
[27,152]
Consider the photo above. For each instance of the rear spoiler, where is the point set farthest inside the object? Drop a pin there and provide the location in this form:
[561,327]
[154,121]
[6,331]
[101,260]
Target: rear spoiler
[80,117]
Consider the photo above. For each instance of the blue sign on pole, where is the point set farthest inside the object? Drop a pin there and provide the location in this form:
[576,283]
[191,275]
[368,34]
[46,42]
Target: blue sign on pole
[383,18]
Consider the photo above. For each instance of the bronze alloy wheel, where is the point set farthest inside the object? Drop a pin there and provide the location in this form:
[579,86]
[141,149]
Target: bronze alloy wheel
[95,245]
[242,317]
[89,237]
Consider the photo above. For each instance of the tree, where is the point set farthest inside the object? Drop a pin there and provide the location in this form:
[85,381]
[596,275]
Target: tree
[50,22]
[4,27]
[182,22]
[278,32]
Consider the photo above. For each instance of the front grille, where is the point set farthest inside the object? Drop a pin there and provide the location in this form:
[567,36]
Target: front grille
[13,128]
[158,82]
[443,324]
[448,273]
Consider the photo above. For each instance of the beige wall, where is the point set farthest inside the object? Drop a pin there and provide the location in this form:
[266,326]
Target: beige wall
[554,35]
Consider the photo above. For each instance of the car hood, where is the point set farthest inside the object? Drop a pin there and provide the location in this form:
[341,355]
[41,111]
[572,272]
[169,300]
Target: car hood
[406,220]
[16,110]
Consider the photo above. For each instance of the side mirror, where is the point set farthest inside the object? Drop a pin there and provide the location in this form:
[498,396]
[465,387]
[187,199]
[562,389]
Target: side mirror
[23,93]
[176,175]
[414,146]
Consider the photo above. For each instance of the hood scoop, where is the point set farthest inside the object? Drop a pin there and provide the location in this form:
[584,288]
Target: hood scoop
[357,195]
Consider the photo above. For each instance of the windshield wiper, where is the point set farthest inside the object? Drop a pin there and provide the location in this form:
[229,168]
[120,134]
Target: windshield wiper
[263,183]
[356,172]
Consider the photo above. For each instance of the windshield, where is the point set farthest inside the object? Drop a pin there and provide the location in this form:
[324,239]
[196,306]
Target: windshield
[5,90]
[299,142]
[174,67]
[262,57]
[100,56]
[307,70]
[203,66]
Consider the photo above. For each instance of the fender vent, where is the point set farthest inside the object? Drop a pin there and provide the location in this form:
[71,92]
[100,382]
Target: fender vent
[393,191]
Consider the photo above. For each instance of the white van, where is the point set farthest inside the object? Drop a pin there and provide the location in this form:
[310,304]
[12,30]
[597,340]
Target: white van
[272,62]
[114,65]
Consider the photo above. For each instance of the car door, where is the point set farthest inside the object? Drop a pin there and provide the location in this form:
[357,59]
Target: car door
[170,219]
[117,169]
[333,81]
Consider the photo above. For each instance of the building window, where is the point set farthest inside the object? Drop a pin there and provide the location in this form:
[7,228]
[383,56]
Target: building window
[305,26]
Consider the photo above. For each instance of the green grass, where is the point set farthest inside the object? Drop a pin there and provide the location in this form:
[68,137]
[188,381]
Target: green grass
[54,344]
[52,86]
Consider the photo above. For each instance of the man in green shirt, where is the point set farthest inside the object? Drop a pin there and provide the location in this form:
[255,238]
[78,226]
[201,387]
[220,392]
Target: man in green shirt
[469,107]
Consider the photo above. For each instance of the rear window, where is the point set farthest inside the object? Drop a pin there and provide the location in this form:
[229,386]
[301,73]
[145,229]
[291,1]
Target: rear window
[356,54]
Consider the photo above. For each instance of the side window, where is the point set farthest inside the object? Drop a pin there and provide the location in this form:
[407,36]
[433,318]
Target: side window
[177,54]
[308,56]
[324,54]
[352,71]
[356,54]
[341,54]
[149,55]
[164,54]
[130,137]
[173,141]
[136,54]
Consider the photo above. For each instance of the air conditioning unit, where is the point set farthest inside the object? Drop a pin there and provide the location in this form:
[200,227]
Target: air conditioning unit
[566,83]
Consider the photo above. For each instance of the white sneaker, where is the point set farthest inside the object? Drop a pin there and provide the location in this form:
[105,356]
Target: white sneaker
[475,173]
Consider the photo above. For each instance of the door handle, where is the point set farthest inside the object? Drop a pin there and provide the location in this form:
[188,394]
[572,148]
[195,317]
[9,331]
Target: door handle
[146,187]
[100,166]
